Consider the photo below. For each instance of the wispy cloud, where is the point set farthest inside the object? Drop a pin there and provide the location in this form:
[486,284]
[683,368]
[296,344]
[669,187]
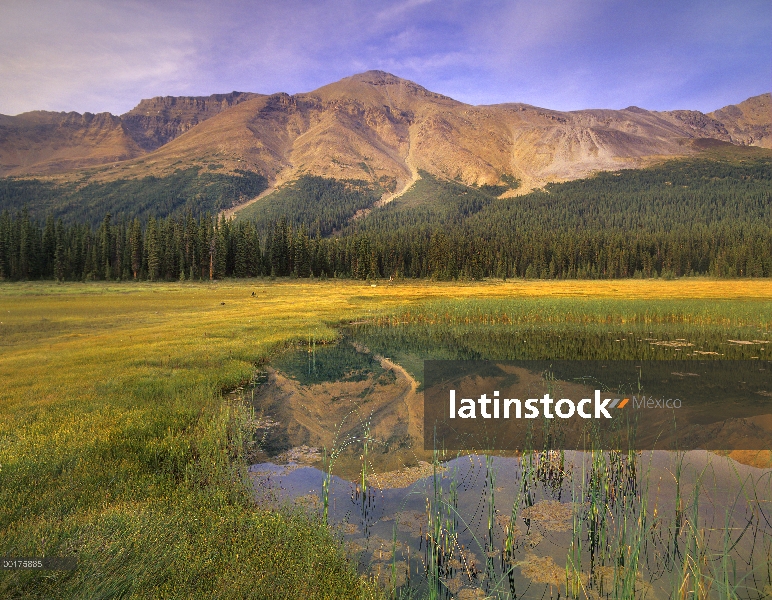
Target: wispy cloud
[99,55]
[400,8]
[82,56]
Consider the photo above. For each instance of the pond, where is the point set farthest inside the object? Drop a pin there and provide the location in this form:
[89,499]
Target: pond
[342,438]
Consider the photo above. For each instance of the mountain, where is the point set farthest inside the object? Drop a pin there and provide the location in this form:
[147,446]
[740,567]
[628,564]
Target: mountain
[43,142]
[374,127]
[748,123]
[379,127]
[153,123]
[50,142]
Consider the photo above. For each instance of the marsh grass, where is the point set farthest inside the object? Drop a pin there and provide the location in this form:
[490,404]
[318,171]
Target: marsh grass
[118,447]
[621,547]
[578,329]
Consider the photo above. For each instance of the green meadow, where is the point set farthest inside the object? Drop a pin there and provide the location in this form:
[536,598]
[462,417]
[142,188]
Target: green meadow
[120,443]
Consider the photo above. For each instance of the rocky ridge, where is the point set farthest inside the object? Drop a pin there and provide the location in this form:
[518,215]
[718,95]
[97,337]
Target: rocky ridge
[372,126]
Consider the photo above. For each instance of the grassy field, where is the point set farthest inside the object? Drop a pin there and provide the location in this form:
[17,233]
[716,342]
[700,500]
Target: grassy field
[117,446]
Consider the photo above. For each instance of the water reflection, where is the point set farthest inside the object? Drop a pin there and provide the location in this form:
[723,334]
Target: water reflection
[340,431]
[530,526]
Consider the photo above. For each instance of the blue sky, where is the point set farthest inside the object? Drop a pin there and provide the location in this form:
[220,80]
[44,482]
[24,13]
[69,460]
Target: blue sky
[90,55]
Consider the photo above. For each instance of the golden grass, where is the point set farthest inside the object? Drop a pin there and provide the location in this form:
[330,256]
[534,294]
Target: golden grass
[116,446]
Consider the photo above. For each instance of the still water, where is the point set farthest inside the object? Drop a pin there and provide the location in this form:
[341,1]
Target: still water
[343,441]
[453,529]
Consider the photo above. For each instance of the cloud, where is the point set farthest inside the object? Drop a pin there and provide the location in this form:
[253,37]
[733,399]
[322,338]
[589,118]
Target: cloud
[96,55]
[400,8]
[81,56]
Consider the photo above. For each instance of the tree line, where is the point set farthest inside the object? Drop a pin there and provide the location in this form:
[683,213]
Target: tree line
[174,248]
[694,216]
[185,247]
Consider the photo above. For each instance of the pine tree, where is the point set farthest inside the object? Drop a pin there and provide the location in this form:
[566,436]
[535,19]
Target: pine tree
[49,248]
[5,232]
[25,245]
[240,260]
[119,242]
[59,252]
[254,258]
[268,268]
[135,245]
[302,253]
[153,249]
[221,239]
[104,248]
[171,249]
[279,249]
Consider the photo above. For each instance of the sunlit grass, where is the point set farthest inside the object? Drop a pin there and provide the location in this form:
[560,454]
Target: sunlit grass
[116,445]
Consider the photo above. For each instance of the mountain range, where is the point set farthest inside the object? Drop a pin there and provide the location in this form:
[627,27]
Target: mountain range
[372,126]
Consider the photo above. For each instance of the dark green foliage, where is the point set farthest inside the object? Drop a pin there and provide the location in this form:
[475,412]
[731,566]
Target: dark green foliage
[511,181]
[302,253]
[153,250]
[672,195]
[165,249]
[323,205]
[183,191]
[493,190]
[429,200]
[279,249]
[684,217]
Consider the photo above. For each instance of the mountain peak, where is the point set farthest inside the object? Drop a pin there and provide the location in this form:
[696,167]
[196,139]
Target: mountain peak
[748,122]
[383,83]
[376,77]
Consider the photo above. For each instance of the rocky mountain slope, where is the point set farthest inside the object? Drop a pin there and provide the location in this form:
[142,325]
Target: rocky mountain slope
[40,142]
[748,123]
[372,126]
[51,142]
[153,123]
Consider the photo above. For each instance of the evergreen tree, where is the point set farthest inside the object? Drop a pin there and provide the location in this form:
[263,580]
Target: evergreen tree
[135,244]
[5,234]
[105,247]
[59,252]
[241,252]
[221,249]
[153,250]
[302,253]
[49,248]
